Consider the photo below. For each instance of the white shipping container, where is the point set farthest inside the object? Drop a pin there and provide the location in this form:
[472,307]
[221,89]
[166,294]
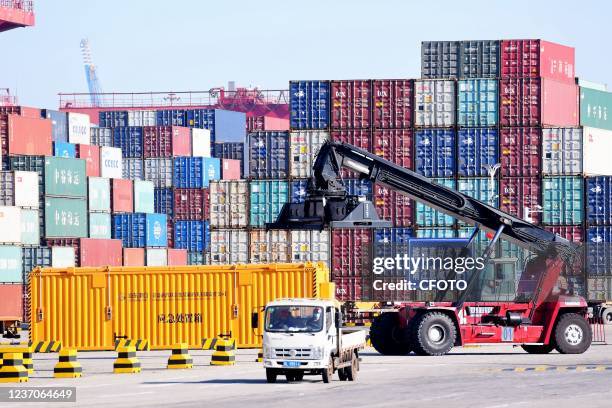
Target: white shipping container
[142,118]
[78,128]
[159,171]
[30,227]
[269,246]
[583,83]
[435,103]
[26,189]
[62,257]
[562,151]
[111,162]
[229,204]
[157,257]
[10,225]
[200,142]
[304,145]
[229,246]
[310,246]
[596,149]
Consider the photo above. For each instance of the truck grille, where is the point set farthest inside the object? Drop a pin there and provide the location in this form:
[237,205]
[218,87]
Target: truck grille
[297,353]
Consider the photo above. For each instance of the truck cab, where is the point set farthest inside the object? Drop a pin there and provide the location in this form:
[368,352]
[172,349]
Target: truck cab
[305,337]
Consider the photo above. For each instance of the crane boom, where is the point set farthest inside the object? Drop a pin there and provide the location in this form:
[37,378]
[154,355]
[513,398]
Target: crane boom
[91,75]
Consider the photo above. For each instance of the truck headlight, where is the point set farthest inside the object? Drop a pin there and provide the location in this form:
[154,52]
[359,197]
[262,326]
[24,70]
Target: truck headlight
[268,352]
[317,353]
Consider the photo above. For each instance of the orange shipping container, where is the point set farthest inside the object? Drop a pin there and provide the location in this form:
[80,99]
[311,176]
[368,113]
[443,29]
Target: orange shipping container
[86,308]
[27,136]
[91,155]
[133,257]
[177,257]
[12,301]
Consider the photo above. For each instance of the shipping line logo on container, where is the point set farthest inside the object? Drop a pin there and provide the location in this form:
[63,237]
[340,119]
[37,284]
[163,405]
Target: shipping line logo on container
[157,230]
[179,318]
[136,296]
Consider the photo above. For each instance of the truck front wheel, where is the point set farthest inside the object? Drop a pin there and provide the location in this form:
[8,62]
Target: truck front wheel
[387,337]
[606,316]
[271,375]
[328,372]
[572,334]
[352,370]
[433,334]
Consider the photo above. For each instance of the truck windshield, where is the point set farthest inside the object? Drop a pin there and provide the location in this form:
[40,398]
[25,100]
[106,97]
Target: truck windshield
[306,319]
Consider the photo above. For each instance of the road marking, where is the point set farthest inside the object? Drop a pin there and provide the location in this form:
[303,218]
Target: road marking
[571,368]
[93,385]
[124,395]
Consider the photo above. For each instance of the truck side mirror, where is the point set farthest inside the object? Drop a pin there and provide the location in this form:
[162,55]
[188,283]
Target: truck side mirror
[254,320]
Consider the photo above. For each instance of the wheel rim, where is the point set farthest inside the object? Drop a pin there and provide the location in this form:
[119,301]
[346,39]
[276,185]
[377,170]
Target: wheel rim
[436,333]
[573,334]
[609,317]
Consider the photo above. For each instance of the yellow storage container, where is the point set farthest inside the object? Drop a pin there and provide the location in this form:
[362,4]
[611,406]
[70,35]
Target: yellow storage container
[89,308]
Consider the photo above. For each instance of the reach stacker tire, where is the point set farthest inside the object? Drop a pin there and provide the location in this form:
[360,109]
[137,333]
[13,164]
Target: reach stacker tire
[432,334]
[387,337]
[572,334]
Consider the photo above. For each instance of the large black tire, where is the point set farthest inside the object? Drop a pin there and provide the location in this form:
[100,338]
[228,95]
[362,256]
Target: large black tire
[342,374]
[572,334]
[352,370]
[432,334]
[606,316]
[387,337]
[271,375]
[538,349]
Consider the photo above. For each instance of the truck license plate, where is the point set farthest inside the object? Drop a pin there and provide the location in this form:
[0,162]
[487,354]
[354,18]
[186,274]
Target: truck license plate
[291,363]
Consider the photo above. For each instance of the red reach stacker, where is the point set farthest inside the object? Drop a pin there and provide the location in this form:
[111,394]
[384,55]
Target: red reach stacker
[542,315]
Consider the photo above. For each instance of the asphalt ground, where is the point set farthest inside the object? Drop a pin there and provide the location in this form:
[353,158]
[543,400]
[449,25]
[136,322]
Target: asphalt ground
[485,376]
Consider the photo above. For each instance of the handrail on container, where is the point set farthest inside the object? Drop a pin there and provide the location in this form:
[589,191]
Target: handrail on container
[25,5]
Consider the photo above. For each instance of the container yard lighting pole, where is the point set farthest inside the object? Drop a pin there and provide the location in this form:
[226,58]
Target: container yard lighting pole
[491,170]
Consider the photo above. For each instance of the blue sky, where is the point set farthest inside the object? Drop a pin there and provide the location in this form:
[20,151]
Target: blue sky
[180,45]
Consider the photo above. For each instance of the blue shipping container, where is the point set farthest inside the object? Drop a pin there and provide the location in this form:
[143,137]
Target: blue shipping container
[269,155]
[435,152]
[59,124]
[266,200]
[477,103]
[192,235]
[64,149]
[234,151]
[309,104]
[599,251]
[428,217]
[224,125]
[141,230]
[562,200]
[171,117]
[478,150]
[164,201]
[113,119]
[353,187]
[129,139]
[599,200]
[195,172]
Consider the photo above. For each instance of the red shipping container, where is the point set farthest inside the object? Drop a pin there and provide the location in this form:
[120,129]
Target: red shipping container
[166,141]
[538,102]
[21,111]
[351,249]
[189,204]
[101,252]
[359,138]
[351,104]
[177,257]
[537,58]
[170,233]
[573,233]
[393,206]
[133,257]
[394,145]
[122,196]
[12,300]
[520,149]
[91,155]
[518,193]
[260,123]
[392,103]
[230,169]
[21,135]
[348,289]
[66,242]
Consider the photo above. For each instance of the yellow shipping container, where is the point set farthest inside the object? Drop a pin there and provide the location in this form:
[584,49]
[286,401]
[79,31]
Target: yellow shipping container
[88,308]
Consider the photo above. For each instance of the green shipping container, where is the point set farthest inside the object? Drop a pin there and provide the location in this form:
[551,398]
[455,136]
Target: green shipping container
[267,199]
[100,225]
[99,194]
[30,227]
[10,264]
[595,108]
[65,217]
[65,177]
[562,200]
[143,196]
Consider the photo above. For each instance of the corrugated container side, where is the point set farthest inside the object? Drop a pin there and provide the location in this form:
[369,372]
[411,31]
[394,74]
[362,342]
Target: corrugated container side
[64,149]
[166,141]
[440,59]
[230,169]
[393,206]
[478,151]
[101,136]
[159,171]
[478,102]
[133,169]
[141,118]
[394,145]
[436,233]
[562,151]
[195,258]
[573,233]
[19,188]
[350,288]
[173,117]
[520,150]
[113,119]
[304,146]
[269,246]
[133,257]
[123,196]
[598,253]
[164,201]
[520,193]
[232,151]
[91,155]
[65,177]
[191,203]
[351,104]
[59,124]
[479,59]
[599,200]
[140,230]
[435,152]
[195,172]
[562,200]
[350,251]
[65,217]
[12,301]
[129,140]
[426,216]
[229,203]
[269,155]
[481,188]
[537,58]
[392,103]
[266,200]
[313,246]
[100,252]
[21,135]
[191,235]
[229,246]
[157,256]
[309,104]
[177,257]
[33,257]
[435,103]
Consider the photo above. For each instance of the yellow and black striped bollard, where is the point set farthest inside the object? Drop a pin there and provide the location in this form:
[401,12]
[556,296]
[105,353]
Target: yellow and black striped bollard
[12,370]
[68,366]
[224,353]
[259,358]
[180,357]
[126,362]
[26,352]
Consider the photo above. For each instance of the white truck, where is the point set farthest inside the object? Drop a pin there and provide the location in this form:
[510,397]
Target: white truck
[305,337]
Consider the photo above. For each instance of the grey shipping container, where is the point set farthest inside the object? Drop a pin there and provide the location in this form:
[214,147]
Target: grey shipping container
[479,59]
[101,136]
[159,171]
[33,257]
[562,151]
[229,246]
[268,155]
[440,59]
[133,169]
